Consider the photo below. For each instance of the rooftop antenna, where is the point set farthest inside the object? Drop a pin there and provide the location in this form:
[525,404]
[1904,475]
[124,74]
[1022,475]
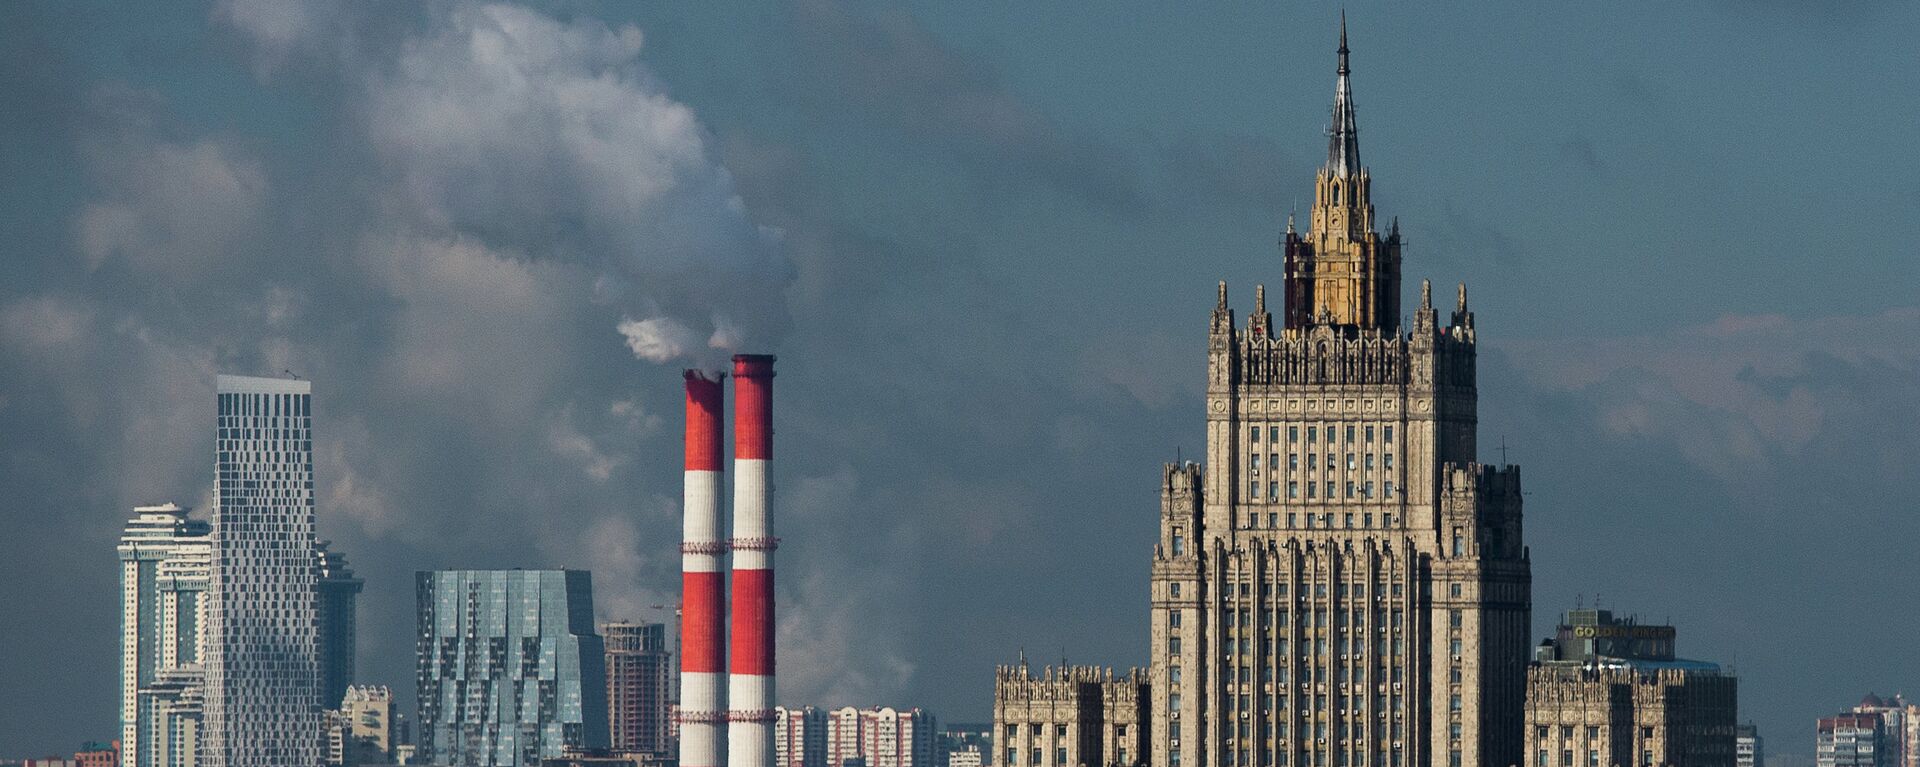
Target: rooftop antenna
[1503,450]
[291,374]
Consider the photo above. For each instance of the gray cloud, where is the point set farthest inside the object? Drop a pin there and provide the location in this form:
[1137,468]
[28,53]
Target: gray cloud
[896,73]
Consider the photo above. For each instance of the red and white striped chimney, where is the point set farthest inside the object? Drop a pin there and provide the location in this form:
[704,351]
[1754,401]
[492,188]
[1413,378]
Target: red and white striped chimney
[703,632]
[750,685]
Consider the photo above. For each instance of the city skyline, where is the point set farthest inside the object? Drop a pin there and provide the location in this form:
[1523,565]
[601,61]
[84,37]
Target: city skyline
[977,250]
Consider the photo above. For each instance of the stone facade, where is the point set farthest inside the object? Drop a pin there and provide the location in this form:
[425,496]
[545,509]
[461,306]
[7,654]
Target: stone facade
[1621,715]
[1343,584]
[1072,716]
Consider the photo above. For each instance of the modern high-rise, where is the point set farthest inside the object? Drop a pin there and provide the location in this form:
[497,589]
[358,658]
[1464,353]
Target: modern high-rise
[1749,749]
[1343,584]
[262,654]
[882,736]
[1072,716]
[1608,691]
[639,685]
[1899,728]
[510,670]
[1850,740]
[164,560]
[799,737]
[338,590]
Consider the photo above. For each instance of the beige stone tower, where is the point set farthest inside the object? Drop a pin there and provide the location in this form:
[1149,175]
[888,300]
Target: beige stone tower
[1342,584]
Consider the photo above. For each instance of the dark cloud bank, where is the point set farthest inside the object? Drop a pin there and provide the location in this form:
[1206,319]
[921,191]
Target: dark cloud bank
[504,236]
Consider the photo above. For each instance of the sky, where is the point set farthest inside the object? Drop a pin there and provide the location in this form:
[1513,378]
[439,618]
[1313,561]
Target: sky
[984,240]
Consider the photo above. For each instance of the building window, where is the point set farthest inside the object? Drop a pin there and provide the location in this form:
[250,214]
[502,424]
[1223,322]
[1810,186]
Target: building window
[1013,756]
[1293,463]
[1310,487]
[1273,434]
[1036,757]
[1253,489]
[1388,492]
[1060,730]
[1386,462]
[1349,435]
[1388,433]
[1453,620]
[1176,593]
[1173,618]
[1293,435]
[1312,435]
[1253,434]
[1454,590]
[1173,646]
[1273,493]
[1173,674]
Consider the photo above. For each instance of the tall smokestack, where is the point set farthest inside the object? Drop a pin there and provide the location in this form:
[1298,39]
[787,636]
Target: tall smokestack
[703,632]
[750,685]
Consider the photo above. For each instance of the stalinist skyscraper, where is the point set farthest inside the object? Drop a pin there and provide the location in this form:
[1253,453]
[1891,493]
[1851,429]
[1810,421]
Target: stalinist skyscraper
[1342,584]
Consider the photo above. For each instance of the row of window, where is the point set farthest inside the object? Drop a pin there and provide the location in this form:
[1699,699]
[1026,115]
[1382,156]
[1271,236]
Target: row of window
[1355,462]
[1361,490]
[1593,758]
[1353,433]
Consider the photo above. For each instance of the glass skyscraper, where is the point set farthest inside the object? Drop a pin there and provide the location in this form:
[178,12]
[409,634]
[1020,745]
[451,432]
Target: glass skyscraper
[510,669]
[262,698]
[339,589]
[163,579]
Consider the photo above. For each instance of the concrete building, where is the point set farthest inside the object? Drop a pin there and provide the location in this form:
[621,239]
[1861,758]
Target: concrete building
[799,737]
[1072,716]
[1609,692]
[164,561]
[1749,750]
[510,670]
[970,745]
[98,755]
[337,591]
[639,687]
[881,737]
[1344,584]
[262,654]
[362,730]
[1850,740]
[1899,728]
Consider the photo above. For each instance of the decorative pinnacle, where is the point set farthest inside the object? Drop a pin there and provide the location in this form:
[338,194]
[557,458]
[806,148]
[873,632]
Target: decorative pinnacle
[1223,295]
[1343,41]
[1463,297]
[1259,299]
[1426,294]
[1343,139]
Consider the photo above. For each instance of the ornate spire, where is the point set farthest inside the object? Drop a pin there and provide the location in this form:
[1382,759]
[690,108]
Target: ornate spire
[1343,136]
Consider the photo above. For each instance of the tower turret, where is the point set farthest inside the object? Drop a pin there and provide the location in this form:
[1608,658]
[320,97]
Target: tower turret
[1342,272]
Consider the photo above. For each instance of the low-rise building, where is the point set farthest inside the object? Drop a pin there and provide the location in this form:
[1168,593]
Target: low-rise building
[1072,716]
[1609,692]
